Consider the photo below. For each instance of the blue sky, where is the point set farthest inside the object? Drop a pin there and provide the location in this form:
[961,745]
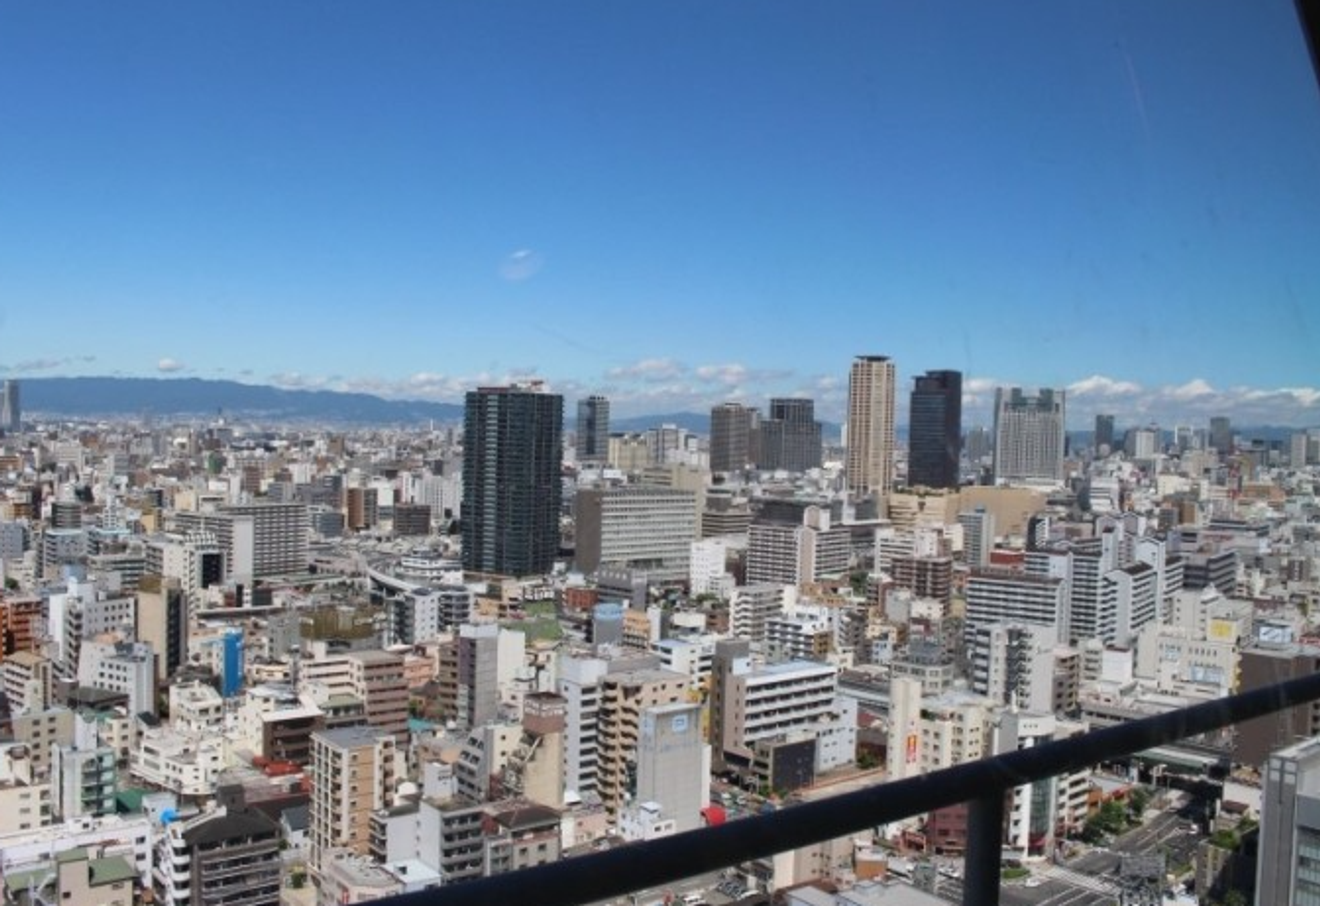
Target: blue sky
[673,203]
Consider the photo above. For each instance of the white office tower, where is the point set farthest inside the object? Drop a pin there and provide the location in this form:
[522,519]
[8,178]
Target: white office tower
[996,596]
[1290,827]
[978,528]
[1013,663]
[775,700]
[1029,435]
[81,612]
[579,686]
[125,667]
[708,572]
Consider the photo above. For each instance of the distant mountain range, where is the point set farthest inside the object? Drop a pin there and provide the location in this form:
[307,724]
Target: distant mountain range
[90,397]
[93,397]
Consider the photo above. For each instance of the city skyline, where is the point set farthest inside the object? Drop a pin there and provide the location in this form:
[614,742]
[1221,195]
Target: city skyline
[419,202]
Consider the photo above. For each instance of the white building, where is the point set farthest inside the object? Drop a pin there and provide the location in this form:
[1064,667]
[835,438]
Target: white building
[1014,663]
[184,763]
[125,667]
[579,685]
[752,607]
[771,701]
[1004,596]
[708,570]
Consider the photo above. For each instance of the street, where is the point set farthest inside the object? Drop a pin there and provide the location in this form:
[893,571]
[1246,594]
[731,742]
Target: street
[1091,879]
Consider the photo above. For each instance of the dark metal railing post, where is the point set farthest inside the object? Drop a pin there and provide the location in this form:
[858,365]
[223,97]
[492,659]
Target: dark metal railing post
[985,847]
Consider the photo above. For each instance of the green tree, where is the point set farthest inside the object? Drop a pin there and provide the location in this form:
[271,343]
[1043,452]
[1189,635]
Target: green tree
[1138,800]
[857,579]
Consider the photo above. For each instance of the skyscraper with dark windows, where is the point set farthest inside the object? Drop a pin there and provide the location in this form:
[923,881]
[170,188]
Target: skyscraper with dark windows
[790,437]
[1221,435]
[1104,433]
[731,437]
[593,429]
[11,416]
[512,488]
[935,430]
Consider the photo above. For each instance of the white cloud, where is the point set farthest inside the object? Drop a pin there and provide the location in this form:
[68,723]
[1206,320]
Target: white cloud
[521,265]
[662,369]
[1193,389]
[1099,385]
[293,380]
[168,365]
[730,375]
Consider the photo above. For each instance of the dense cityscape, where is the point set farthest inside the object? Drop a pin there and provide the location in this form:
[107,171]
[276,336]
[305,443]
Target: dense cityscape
[248,663]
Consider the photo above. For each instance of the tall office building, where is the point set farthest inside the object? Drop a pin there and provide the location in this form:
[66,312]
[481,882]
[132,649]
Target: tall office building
[593,429]
[731,437]
[1104,433]
[640,527]
[512,487]
[870,459]
[1029,438]
[11,415]
[1221,434]
[1290,826]
[790,437]
[935,430]
[978,527]
[258,540]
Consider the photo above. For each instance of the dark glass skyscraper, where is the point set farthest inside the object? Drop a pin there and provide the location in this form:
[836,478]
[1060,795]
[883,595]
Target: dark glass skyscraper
[593,429]
[512,488]
[730,437]
[790,437]
[1221,435]
[935,430]
[1104,432]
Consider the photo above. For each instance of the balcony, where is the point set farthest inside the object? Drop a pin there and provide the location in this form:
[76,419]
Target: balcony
[981,784]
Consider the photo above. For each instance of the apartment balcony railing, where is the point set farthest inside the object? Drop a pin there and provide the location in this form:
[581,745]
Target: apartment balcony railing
[982,784]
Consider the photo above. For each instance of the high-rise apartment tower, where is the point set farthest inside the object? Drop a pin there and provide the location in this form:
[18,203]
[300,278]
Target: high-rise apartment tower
[511,479]
[870,459]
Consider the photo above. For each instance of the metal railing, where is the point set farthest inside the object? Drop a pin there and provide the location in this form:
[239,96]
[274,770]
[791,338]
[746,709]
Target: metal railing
[983,784]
